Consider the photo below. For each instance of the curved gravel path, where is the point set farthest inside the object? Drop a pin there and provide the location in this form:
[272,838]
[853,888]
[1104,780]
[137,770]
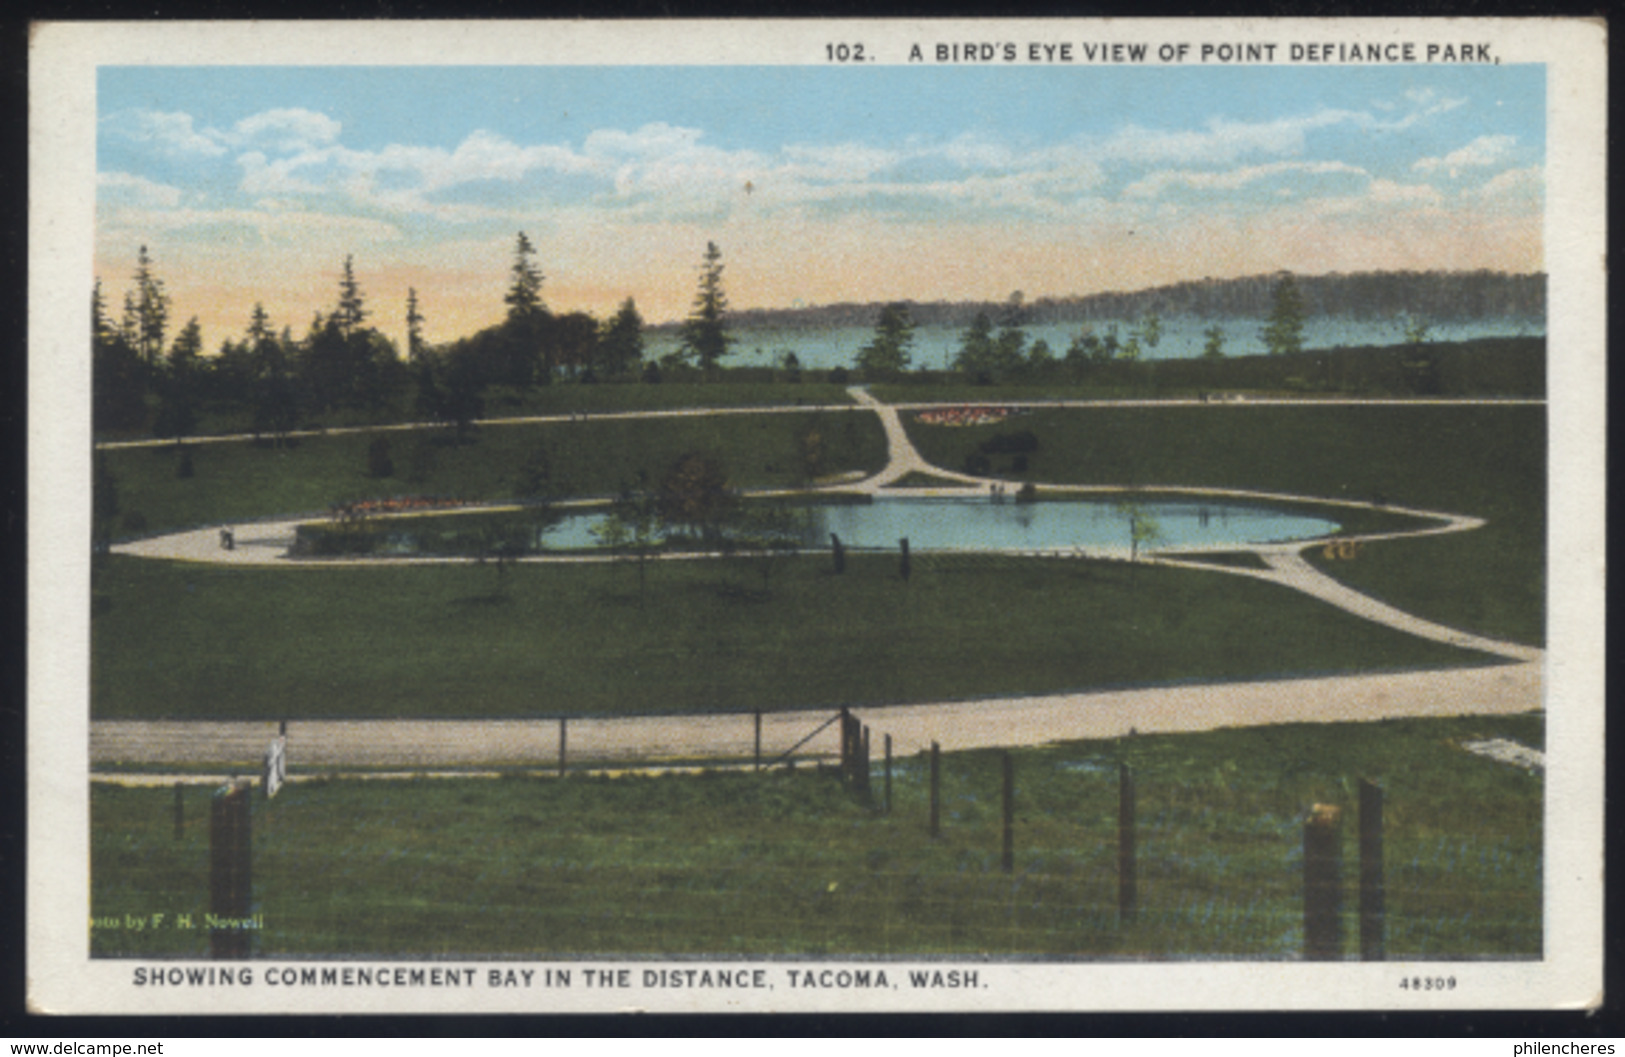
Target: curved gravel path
[413,746]
[442,745]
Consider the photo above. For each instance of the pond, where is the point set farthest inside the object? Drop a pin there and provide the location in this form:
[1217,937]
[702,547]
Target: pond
[984,524]
[956,523]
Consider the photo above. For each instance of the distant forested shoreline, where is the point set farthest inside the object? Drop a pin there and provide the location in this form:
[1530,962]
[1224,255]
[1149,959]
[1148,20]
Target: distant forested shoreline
[1441,297]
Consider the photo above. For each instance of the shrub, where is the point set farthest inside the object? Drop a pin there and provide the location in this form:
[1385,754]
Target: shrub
[379,463]
[1010,443]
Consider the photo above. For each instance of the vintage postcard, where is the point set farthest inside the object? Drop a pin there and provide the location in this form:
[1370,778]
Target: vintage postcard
[816,516]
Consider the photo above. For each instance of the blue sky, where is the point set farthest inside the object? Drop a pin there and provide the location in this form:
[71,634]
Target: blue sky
[818,183]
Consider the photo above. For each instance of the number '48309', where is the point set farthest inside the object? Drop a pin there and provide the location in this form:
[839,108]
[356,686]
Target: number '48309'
[1427,983]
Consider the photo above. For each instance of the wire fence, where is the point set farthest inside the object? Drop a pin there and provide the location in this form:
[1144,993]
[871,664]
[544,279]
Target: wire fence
[1027,860]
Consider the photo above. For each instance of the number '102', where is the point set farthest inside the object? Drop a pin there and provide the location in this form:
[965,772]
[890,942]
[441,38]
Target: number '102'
[844,52]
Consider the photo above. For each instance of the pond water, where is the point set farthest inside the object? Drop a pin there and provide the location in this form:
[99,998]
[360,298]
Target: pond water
[983,524]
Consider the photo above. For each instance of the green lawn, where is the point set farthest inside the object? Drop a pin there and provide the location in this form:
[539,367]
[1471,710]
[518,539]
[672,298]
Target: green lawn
[1487,461]
[200,641]
[786,864]
[239,480]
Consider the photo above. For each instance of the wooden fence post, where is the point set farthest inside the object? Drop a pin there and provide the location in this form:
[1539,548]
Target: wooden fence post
[936,790]
[863,763]
[180,811]
[1128,895]
[903,544]
[758,741]
[1373,898]
[847,755]
[1322,884]
[1009,859]
[230,869]
[564,741]
[888,774]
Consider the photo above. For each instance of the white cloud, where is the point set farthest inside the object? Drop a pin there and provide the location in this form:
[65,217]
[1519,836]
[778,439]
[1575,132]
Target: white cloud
[128,188]
[171,132]
[1221,141]
[262,176]
[1512,183]
[1154,184]
[1384,196]
[285,130]
[1481,152]
[272,225]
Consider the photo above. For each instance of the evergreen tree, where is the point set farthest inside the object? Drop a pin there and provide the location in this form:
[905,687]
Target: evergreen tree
[1213,348]
[524,297]
[1283,333]
[178,384]
[100,329]
[887,353]
[129,328]
[521,351]
[1009,349]
[705,335]
[620,345]
[976,350]
[414,327]
[259,325]
[118,378]
[273,392]
[151,309]
[352,311]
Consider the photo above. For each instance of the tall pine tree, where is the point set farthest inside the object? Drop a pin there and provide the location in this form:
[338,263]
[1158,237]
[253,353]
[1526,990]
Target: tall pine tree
[705,334]
[151,308]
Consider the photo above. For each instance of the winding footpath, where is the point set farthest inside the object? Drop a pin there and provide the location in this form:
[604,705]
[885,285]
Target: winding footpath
[383,748]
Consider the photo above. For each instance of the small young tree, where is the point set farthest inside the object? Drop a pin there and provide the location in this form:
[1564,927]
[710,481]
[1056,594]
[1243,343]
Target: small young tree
[1417,361]
[887,354]
[694,495]
[771,531]
[1213,347]
[1283,332]
[379,461]
[1143,529]
[631,528]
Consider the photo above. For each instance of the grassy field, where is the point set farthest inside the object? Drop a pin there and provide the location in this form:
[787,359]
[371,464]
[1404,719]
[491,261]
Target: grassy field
[239,480]
[786,864]
[1496,367]
[183,640]
[1486,461]
[564,398]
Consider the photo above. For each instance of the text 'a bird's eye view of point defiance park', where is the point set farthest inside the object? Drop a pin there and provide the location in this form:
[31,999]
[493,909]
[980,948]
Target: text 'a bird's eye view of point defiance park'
[850,512]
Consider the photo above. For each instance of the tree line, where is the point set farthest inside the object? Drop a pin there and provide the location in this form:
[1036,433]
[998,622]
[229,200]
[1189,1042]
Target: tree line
[993,350]
[147,378]
[1442,296]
